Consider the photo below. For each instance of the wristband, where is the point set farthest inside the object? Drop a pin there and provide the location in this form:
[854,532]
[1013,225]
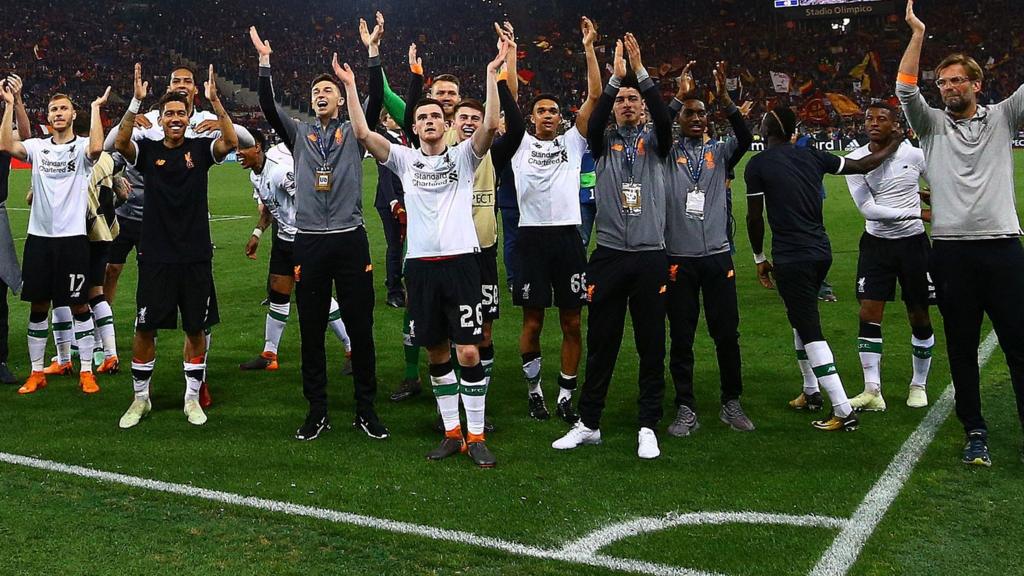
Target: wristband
[257,232]
[416,69]
[503,75]
[615,82]
[760,258]
[135,105]
[642,75]
[906,78]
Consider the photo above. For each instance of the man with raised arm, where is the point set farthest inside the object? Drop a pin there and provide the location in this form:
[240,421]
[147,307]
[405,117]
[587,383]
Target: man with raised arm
[175,254]
[628,268]
[552,257]
[699,258]
[332,252]
[56,259]
[787,180]
[977,259]
[442,270]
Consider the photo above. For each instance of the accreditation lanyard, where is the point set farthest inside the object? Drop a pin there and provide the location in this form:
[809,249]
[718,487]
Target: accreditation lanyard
[324,174]
[695,167]
[631,197]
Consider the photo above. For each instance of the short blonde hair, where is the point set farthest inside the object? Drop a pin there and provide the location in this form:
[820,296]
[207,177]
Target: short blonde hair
[60,96]
[974,72]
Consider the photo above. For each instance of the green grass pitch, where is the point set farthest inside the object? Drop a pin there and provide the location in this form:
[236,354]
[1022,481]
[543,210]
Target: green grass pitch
[947,519]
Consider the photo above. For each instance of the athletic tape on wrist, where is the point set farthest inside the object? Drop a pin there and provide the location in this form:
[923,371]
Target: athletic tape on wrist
[135,105]
[760,257]
[257,232]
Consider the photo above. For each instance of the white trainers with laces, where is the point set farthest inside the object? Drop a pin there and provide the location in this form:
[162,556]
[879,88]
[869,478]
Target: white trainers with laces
[917,398]
[135,412]
[647,444]
[578,435]
[194,412]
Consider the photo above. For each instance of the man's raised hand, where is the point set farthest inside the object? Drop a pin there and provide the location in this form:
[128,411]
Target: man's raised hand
[633,49]
[495,64]
[344,73]
[141,87]
[414,60]
[14,81]
[619,63]
[210,87]
[99,102]
[262,47]
[589,31]
[686,83]
[721,69]
[915,23]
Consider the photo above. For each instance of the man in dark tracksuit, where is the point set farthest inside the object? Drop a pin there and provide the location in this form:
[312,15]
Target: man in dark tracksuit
[331,246]
[389,205]
[699,259]
[628,267]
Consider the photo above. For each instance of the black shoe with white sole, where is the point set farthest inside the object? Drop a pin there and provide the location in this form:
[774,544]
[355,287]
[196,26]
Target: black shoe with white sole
[371,426]
[314,425]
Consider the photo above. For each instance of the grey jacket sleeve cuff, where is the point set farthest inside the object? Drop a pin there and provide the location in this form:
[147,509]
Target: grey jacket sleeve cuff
[374,61]
[264,71]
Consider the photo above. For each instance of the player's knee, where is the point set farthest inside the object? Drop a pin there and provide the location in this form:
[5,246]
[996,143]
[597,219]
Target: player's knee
[277,297]
[570,324]
[468,355]
[871,311]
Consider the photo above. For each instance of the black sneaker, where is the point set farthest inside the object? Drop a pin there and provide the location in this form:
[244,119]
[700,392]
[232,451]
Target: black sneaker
[538,411]
[315,424]
[810,402]
[976,449]
[481,455]
[346,368]
[566,412]
[6,376]
[371,426]
[447,447]
[488,425]
[407,389]
[396,301]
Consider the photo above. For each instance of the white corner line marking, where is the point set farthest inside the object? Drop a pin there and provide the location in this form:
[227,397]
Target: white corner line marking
[845,549]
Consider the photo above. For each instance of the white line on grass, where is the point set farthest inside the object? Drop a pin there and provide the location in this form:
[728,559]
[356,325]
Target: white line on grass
[839,558]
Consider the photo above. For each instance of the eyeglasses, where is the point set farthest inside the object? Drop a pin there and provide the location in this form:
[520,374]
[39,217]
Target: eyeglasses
[954,81]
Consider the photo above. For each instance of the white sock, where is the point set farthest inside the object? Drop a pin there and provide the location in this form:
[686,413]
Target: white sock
[563,392]
[870,351]
[474,399]
[810,380]
[531,370]
[142,372]
[820,356]
[922,359]
[277,319]
[446,390]
[63,333]
[337,326]
[38,333]
[85,337]
[194,372]
[103,317]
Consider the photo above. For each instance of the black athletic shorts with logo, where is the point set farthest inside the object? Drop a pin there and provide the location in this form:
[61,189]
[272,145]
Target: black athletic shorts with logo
[55,270]
[883,261]
[551,259]
[489,291]
[444,300]
[282,257]
[129,232]
[164,290]
[99,254]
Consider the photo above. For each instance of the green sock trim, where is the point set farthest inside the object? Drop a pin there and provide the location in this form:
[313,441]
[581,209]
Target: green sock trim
[474,390]
[446,389]
[39,333]
[801,355]
[62,325]
[923,352]
[80,335]
[336,315]
[277,316]
[105,321]
[488,367]
[865,345]
[824,370]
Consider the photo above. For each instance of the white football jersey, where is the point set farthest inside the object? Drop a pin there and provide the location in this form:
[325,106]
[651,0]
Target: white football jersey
[548,179]
[894,186]
[275,188]
[438,198]
[60,186]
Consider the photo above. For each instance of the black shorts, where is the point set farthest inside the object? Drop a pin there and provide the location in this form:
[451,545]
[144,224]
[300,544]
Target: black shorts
[489,292]
[444,300]
[551,259]
[883,261]
[55,269]
[282,257]
[798,284]
[127,238]
[166,289]
[99,253]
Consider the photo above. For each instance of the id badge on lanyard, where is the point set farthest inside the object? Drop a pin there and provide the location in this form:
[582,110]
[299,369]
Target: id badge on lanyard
[324,174]
[631,198]
[323,179]
[695,204]
[695,198]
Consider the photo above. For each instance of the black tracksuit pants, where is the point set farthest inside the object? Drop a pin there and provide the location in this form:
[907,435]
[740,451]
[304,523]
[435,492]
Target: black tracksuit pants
[4,323]
[618,280]
[715,277]
[327,262]
[973,278]
[393,256]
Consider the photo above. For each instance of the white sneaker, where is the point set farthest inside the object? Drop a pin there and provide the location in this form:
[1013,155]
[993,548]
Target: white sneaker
[648,444]
[194,412]
[917,398]
[578,435]
[135,412]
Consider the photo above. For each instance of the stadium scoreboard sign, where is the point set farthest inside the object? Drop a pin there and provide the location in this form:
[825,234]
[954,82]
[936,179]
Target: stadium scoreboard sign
[834,8]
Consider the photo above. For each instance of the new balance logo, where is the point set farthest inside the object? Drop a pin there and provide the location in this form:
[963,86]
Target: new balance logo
[418,165]
[478,331]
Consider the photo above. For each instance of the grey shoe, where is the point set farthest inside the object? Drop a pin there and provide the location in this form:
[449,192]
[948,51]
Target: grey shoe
[732,414]
[685,422]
